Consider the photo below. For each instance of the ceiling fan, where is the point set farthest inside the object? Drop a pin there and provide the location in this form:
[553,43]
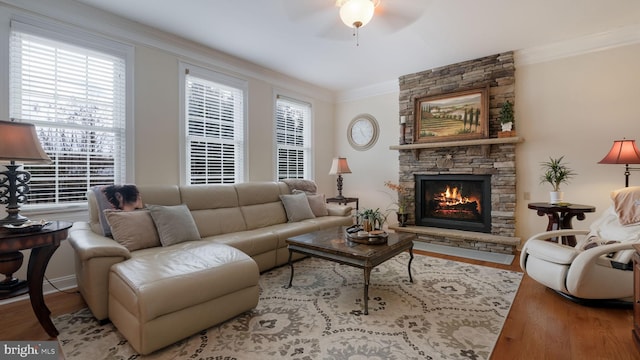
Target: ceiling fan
[331,16]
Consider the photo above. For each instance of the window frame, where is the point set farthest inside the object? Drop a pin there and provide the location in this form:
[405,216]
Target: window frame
[185,69]
[307,147]
[77,37]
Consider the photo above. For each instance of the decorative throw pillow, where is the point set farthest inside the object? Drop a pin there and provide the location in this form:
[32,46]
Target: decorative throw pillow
[317,203]
[133,229]
[627,204]
[308,186]
[175,224]
[297,207]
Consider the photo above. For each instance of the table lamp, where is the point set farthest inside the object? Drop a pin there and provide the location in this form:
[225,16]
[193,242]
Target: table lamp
[339,167]
[623,152]
[18,143]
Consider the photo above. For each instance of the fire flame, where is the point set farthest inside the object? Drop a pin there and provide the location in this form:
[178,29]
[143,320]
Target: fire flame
[452,196]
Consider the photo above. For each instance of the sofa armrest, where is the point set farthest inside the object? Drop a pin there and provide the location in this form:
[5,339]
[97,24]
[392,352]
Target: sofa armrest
[339,210]
[87,244]
[550,251]
[599,255]
[94,256]
[558,234]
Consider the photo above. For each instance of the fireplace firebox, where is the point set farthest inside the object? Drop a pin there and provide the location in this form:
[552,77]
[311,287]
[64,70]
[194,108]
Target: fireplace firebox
[450,201]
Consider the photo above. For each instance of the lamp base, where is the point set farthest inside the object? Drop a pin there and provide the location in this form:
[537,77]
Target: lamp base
[9,264]
[13,219]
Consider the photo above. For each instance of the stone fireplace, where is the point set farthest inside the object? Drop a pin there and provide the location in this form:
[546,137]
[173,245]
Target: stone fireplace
[491,159]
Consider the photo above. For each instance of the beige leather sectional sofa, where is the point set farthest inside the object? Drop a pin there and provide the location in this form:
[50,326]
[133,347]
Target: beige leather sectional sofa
[158,295]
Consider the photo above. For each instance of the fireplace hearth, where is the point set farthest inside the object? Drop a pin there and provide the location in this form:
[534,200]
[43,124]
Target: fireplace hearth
[451,201]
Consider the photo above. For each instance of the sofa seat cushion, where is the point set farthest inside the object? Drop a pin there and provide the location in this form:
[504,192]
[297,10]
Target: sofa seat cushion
[285,231]
[146,286]
[251,242]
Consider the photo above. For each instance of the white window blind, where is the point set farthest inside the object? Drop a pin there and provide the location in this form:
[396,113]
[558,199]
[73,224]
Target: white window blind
[214,132]
[293,144]
[76,98]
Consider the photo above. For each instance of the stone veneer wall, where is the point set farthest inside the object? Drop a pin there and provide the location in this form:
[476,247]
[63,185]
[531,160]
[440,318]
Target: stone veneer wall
[497,72]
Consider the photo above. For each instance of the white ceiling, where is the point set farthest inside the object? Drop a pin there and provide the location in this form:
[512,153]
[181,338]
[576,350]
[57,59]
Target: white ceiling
[305,38]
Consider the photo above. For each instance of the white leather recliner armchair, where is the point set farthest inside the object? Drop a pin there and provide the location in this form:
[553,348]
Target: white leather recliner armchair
[599,267]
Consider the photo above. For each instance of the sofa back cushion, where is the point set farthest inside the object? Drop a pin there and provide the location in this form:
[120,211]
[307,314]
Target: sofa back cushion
[166,195]
[260,203]
[214,208]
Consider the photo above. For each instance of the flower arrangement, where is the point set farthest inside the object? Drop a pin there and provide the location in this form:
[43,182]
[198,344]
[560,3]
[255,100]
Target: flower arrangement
[402,192]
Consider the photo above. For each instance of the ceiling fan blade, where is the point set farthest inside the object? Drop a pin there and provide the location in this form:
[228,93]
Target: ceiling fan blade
[395,16]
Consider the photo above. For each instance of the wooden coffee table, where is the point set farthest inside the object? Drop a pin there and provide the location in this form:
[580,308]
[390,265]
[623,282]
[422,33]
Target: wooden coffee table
[333,245]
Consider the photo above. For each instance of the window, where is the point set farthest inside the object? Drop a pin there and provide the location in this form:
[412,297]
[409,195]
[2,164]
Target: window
[75,95]
[293,145]
[214,127]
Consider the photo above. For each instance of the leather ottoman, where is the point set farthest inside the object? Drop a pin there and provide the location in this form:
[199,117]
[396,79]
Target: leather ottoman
[159,298]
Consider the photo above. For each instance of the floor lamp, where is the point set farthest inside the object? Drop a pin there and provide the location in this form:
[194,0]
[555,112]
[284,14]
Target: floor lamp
[339,167]
[623,152]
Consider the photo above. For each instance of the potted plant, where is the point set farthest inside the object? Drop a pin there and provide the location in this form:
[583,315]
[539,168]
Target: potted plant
[401,204]
[371,219]
[556,173]
[506,118]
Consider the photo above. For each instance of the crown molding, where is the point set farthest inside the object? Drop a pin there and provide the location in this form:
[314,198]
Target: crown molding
[610,39]
[578,46]
[381,88]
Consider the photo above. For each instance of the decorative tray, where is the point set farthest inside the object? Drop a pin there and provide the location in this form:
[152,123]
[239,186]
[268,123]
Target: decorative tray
[27,226]
[371,238]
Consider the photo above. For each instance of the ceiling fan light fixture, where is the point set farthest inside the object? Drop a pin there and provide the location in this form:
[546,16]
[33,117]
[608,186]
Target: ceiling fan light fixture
[356,13]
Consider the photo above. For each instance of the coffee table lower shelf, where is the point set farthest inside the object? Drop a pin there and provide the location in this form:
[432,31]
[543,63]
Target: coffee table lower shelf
[331,245]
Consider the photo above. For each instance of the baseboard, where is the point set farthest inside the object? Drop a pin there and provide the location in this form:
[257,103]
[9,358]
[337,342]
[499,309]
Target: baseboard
[61,283]
[498,258]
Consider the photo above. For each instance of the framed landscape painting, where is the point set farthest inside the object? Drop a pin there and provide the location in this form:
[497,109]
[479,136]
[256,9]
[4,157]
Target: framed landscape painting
[455,116]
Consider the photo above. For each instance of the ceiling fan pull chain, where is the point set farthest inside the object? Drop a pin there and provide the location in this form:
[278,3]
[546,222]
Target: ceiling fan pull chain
[357,35]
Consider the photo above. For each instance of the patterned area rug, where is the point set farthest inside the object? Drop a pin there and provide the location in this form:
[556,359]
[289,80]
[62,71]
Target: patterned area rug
[452,310]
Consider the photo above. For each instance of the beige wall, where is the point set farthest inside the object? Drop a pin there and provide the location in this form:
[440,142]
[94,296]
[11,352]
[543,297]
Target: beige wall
[574,107]
[370,168]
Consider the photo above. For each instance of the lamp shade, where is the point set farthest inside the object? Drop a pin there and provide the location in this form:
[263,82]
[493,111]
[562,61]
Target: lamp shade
[356,13]
[339,166]
[622,152]
[19,142]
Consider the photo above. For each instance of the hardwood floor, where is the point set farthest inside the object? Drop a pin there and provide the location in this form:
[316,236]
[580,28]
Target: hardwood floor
[540,325]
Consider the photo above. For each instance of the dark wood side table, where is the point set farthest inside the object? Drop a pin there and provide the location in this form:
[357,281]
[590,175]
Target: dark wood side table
[43,244]
[344,200]
[560,216]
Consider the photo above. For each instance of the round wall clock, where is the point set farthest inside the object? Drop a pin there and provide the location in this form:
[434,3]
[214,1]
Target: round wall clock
[363,132]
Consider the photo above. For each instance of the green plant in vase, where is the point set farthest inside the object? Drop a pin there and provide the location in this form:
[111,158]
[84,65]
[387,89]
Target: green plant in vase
[506,116]
[371,219]
[556,173]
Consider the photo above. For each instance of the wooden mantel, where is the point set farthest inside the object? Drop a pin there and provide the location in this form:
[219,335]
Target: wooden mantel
[484,143]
